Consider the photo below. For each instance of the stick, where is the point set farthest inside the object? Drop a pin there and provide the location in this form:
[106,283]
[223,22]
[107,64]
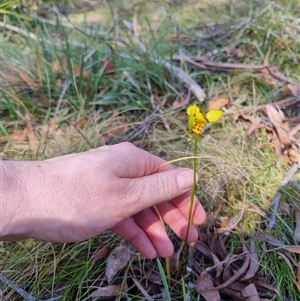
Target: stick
[211,65]
[21,292]
[180,74]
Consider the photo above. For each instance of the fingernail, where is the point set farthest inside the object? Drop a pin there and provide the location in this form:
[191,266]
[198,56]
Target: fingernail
[185,179]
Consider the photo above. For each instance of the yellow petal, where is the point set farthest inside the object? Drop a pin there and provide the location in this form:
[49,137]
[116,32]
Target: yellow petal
[193,110]
[213,115]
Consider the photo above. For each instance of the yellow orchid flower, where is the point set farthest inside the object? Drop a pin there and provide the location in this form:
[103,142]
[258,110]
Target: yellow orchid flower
[197,121]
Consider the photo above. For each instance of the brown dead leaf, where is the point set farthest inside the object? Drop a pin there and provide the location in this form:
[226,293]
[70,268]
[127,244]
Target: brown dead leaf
[255,124]
[254,262]
[217,103]
[117,260]
[107,291]
[102,253]
[250,293]
[295,90]
[276,116]
[229,274]
[205,287]
[237,274]
[295,249]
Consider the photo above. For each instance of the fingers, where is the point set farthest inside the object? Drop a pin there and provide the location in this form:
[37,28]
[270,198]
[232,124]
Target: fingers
[155,230]
[183,204]
[156,188]
[148,235]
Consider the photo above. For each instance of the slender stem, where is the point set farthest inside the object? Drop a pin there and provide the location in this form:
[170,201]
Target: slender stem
[193,191]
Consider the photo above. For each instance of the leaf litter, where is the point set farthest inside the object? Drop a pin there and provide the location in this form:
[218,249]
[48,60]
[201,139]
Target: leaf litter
[228,274]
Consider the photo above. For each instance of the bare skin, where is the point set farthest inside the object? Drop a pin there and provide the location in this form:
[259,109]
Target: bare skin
[74,197]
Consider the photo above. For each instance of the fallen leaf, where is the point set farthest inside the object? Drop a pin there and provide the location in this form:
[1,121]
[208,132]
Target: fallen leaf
[254,262]
[250,293]
[116,261]
[108,66]
[276,117]
[237,274]
[102,253]
[205,287]
[255,124]
[217,103]
[295,90]
[295,249]
[107,291]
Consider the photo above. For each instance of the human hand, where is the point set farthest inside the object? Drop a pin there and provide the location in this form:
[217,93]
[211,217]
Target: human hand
[74,197]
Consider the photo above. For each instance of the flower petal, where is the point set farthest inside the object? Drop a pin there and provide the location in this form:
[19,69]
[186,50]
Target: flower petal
[213,115]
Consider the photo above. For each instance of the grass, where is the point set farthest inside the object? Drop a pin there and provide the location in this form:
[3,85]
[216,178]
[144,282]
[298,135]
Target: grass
[83,105]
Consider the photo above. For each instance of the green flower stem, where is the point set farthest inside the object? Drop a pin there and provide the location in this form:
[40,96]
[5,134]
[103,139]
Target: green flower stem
[193,192]
[193,187]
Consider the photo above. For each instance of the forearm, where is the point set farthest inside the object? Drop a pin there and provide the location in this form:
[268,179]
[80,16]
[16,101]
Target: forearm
[14,198]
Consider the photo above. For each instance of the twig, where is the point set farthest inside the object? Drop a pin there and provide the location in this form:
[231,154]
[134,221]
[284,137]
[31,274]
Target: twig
[206,64]
[275,203]
[21,292]
[295,185]
[189,82]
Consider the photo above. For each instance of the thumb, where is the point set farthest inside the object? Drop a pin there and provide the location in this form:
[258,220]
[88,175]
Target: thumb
[160,187]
